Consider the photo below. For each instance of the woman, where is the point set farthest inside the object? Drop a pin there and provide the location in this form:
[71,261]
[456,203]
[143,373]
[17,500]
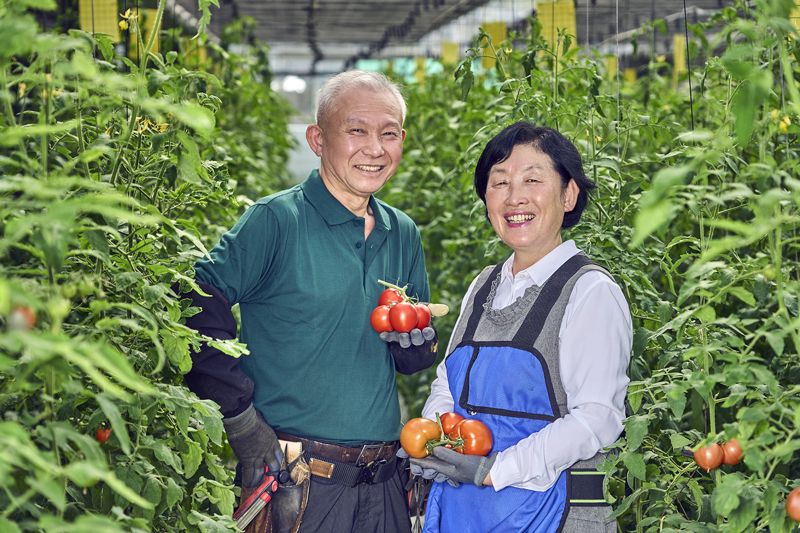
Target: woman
[539,354]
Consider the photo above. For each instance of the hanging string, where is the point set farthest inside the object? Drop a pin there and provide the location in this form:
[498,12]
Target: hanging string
[688,62]
[619,110]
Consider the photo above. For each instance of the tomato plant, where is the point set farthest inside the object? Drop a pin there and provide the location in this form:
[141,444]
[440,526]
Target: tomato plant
[403,317]
[709,457]
[416,434]
[423,316]
[390,297]
[793,504]
[473,436]
[380,319]
[731,452]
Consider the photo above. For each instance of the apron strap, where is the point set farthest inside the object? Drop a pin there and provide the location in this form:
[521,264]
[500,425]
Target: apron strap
[531,328]
[477,303]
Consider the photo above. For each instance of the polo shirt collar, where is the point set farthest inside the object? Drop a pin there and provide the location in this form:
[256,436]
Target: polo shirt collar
[541,270]
[331,210]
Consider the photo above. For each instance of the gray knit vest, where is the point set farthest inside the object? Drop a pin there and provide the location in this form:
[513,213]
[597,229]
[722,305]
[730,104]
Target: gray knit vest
[503,324]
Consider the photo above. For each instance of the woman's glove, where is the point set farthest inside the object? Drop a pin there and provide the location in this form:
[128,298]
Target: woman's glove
[419,468]
[457,467]
[255,445]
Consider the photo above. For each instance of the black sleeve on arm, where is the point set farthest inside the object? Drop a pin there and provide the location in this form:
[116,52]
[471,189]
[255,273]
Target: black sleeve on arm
[215,375]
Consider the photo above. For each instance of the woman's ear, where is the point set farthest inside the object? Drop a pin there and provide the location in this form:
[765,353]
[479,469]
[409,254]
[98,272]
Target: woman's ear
[569,195]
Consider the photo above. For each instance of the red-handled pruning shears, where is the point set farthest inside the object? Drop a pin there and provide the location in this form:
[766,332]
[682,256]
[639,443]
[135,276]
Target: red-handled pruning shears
[258,499]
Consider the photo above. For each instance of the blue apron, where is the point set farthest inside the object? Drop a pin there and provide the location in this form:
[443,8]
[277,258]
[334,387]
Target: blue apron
[507,386]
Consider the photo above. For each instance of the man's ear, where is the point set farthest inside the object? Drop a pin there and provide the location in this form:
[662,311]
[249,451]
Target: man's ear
[314,138]
[402,135]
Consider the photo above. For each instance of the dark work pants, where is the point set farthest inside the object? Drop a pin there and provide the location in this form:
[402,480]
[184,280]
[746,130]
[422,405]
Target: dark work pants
[379,508]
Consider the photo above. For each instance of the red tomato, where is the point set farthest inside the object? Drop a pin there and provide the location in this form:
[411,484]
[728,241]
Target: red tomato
[423,316]
[22,318]
[449,422]
[380,319]
[476,436]
[793,505]
[731,452]
[390,297]
[709,457]
[403,317]
[102,434]
[415,436]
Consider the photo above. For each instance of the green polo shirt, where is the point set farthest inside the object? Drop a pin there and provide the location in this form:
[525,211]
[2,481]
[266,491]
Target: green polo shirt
[306,282]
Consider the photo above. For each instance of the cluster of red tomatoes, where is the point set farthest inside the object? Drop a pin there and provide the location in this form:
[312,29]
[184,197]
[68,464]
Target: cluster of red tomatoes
[396,312]
[712,456]
[465,435]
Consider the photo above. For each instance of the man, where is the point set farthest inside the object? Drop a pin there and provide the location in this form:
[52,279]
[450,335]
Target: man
[304,265]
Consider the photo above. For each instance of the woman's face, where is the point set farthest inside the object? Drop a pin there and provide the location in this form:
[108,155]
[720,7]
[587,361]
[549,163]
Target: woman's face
[526,203]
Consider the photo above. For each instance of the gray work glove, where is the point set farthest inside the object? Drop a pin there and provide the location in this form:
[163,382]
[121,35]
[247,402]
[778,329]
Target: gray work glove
[255,445]
[416,337]
[419,469]
[457,467]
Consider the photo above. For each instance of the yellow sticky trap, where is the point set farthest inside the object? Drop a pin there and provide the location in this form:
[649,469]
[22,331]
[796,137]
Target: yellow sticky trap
[629,75]
[497,32]
[678,58]
[611,67]
[99,16]
[450,54]
[420,72]
[555,16]
[794,17]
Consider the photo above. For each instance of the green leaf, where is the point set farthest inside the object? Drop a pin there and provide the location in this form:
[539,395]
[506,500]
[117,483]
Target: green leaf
[86,474]
[743,294]
[651,218]
[8,526]
[11,136]
[197,117]
[635,465]
[776,341]
[165,454]
[120,430]
[190,165]
[635,430]
[725,497]
[706,314]
[192,458]
[679,442]
[50,488]
[174,493]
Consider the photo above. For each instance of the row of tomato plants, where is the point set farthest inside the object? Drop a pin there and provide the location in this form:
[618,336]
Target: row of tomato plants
[117,174]
[697,220]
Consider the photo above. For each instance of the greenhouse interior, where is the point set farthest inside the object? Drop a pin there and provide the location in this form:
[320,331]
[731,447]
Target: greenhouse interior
[514,265]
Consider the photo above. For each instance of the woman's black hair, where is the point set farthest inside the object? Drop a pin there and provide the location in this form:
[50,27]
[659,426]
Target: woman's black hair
[565,157]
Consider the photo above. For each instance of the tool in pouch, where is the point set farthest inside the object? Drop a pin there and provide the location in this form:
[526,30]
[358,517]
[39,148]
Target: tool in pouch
[259,498]
[293,480]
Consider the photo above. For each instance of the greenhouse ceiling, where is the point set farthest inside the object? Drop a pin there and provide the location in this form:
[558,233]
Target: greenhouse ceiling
[339,28]
[325,36]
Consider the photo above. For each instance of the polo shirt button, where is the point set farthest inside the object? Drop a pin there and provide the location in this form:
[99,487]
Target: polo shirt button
[358,244]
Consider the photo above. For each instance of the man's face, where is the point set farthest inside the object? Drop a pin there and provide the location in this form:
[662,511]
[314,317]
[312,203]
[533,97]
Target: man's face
[359,143]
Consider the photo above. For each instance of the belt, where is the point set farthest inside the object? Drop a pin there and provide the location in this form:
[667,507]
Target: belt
[348,465]
[586,487]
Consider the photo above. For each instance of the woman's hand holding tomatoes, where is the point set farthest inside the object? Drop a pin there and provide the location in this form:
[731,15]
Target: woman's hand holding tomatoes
[459,449]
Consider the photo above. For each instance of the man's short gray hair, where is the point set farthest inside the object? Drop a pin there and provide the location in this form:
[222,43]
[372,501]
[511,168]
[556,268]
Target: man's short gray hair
[355,79]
